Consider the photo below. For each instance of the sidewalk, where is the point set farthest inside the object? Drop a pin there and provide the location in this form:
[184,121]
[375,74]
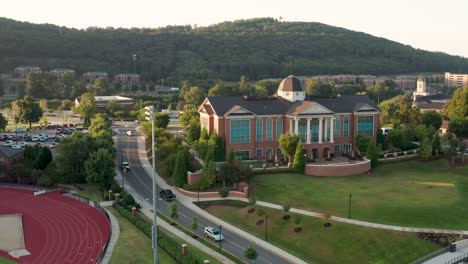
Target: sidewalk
[115,227]
[188,202]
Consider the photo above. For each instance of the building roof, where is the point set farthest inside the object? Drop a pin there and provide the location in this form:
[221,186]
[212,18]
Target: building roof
[290,84]
[279,106]
[8,152]
[432,97]
[431,106]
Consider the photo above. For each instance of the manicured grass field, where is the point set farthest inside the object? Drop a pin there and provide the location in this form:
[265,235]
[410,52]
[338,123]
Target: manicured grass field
[340,243]
[92,192]
[6,261]
[413,193]
[133,246]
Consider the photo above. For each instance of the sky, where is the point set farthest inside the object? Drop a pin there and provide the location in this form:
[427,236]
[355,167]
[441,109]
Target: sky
[432,25]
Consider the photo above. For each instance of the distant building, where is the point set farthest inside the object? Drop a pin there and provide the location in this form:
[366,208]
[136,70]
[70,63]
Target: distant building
[22,72]
[58,73]
[456,80]
[92,76]
[434,102]
[101,101]
[421,89]
[128,78]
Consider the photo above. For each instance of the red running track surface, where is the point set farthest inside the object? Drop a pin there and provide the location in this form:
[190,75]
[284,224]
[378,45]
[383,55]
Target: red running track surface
[57,229]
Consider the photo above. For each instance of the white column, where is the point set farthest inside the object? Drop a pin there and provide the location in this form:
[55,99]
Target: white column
[320,130]
[296,126]
[332,140]
[290,126]
[326,129]
[308,130]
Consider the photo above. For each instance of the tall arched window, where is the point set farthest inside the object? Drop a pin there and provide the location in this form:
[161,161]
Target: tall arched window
[269,130]
[279,127]
[259,130]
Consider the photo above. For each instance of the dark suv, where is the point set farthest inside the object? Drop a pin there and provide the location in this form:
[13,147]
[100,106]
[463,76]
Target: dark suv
[167,195]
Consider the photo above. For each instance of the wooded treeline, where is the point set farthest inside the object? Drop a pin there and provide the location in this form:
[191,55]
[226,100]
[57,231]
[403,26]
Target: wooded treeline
[257,48]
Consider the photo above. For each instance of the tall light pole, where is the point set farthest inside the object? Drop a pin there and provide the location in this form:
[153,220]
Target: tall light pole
[134,58]
[149,115]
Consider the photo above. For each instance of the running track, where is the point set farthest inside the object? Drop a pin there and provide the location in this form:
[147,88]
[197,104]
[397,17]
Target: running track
[57,229]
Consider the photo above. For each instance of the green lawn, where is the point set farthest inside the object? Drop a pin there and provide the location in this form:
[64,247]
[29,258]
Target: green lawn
[6,261]
[134,246]
[340,243]
[413,193]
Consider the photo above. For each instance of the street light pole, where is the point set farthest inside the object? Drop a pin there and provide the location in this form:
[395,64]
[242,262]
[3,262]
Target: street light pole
[150,117]
[349,206]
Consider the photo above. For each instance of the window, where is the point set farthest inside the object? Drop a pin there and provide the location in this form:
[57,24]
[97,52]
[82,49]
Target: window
[240,131]
[279,127]
[346,126]
[259,152]
[314,130]
[365,125]
[347,148]
[337,148]
[269,130]
[269,153]
[302,129]
[337,132]
[259,130]
[242,154]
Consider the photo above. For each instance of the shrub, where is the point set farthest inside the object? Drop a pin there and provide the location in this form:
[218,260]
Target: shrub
[173,211]
[115,187]
[223,192]
[194,222]
[128,199]
[250,253]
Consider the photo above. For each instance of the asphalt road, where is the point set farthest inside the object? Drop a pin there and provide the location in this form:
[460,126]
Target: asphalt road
[141,182]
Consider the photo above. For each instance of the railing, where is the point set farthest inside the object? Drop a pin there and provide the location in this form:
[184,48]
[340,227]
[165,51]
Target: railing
[431,255]
[457,259]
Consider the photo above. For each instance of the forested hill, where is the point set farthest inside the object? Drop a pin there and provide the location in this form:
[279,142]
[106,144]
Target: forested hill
[258,48]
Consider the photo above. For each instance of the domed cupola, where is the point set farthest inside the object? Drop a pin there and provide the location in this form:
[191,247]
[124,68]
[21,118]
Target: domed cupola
[291,89]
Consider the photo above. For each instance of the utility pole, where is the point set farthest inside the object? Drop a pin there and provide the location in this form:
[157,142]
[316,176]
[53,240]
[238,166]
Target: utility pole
[150,117]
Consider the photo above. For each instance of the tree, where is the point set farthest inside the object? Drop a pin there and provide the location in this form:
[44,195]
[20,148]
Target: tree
[399,111]
[28,111]
[3,122]
[288,144]
[194,223]
[316,88]
[43,158]
[100,168]
[87,107]
[459,126]
[372,154]
[100,126]
[173,210]
[425,151]
[457,107]
[161,120]
[194,96]
[244,86]
[286,208]
[299,159]
[432,119]
[40,85]
[436,145]
[187,116]
[113,107]
[204,135]
[362,143]
[72,152]
[182,165]
[193,131]
[313,87]
[101,87]
[250,253]
[209,174]
[217,144]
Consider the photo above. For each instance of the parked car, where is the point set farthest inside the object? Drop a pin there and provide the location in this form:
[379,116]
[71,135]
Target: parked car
[3,138]
[23,144]
[9,143]
[125,165]
[53,145]
[131,133]
[213,233]
[16,146]
[167,195]
[35,139]
[19,130]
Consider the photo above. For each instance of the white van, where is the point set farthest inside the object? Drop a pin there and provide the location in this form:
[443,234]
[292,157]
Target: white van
[385,130]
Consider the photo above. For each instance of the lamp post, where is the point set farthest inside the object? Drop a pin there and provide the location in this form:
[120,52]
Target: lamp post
[349,206]
[149,115]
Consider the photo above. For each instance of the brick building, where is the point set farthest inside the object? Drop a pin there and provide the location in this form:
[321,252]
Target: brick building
[251,126]
[59,73]
[456,80]
[127,78]
[22,72]
[92,76]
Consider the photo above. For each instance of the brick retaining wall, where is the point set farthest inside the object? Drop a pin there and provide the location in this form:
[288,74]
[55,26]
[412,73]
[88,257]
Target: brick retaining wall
[330,170]
[244,194]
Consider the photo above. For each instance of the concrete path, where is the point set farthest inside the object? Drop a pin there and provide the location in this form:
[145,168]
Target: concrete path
[189,202]
[115,227]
